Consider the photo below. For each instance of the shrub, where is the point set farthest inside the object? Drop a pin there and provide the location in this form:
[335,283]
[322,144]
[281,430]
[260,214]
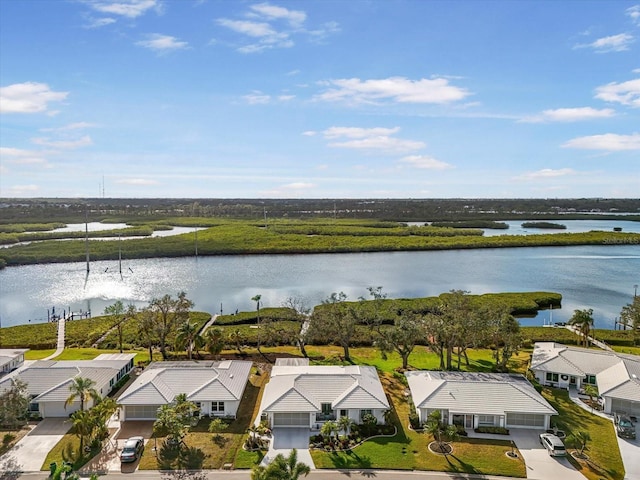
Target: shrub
[494,430]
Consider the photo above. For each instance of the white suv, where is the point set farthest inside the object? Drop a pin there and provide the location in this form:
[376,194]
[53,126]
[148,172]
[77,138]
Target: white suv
[553,444]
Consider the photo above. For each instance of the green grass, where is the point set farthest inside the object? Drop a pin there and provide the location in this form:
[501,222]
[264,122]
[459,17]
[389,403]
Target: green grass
[408,450]
[206,450]
[605,460]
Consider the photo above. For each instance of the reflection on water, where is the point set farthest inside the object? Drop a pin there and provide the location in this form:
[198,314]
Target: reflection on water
[598,277]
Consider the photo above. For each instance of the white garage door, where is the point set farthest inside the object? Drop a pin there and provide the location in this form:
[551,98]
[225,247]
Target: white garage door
[141,412]
[293,419]
[626,406]
[525,420]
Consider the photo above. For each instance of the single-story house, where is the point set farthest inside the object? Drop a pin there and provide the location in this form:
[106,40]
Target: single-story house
[10,359]
[215,387]
[304,396]
[474,400]
[48,381]
[617,376]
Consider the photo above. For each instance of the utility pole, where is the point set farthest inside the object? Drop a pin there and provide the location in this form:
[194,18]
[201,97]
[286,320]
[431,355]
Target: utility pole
[86,237]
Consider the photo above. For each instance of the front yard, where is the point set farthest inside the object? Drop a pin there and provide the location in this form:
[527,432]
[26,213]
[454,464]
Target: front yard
[407,450]
[605,461]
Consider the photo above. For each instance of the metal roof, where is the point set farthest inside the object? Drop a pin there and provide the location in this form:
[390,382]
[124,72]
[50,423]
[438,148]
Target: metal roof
[201,381]
[465,392]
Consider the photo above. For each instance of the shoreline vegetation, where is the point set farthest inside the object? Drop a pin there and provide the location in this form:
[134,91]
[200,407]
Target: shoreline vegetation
[284,322]
[272,236]
[548,225]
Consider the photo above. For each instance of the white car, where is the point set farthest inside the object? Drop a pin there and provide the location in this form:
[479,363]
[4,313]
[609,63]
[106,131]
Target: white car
[132,449]
[555,447]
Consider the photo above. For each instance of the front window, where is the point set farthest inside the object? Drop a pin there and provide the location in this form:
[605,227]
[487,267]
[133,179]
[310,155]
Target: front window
[366,411]
[552,377]
[217,407]
[590,379]
[326,413]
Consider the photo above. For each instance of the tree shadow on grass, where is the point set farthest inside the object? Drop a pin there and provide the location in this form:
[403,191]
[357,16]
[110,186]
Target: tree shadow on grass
[180,457]
[458,465]
[220,440]
[350,460]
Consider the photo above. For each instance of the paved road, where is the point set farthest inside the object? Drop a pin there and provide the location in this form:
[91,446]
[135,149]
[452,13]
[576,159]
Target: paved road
[314,475]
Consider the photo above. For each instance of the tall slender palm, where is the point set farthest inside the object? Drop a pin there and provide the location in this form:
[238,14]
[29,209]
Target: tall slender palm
[257,300]
[344,424]
[214,340]
[186,335]
[582,320]
[84,389]
[83,426]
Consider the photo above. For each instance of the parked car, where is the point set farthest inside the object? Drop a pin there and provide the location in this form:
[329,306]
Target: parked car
[132,449]
[555,446]
[624,426]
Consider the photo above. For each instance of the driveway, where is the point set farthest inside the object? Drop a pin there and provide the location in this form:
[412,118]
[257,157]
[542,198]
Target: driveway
[630,451]
[29,453]
[540,465]
[108,460]
[283,440]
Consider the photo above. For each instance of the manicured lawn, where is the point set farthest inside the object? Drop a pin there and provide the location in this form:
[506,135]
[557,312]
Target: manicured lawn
[67,450]
[206,450]
[408,450]
[38,354]
[605,460]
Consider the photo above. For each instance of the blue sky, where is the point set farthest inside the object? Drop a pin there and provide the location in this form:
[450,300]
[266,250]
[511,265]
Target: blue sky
[319,98]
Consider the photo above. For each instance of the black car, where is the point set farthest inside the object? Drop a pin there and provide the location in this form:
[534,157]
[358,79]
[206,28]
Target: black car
[625,427]
[132,449]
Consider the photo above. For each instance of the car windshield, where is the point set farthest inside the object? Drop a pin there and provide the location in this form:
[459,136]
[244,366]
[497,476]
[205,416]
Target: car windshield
[625,423]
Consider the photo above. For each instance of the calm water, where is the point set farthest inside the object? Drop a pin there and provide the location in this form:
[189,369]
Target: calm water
[598,277]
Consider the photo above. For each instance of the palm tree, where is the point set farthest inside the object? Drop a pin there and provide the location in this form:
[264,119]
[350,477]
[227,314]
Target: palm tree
[84,389]
[214,340]
[582,320]
[287,468]
[257,300]
[237,338]
[582,437]
[186,335]
[344,424]
[435,426]
[83,426]
[329,429]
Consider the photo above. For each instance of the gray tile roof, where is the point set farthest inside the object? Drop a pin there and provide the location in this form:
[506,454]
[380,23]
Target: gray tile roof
[304,388]
[476,393]
[558,358]
[621,380]
[48,380]
[161,382]
[8,354]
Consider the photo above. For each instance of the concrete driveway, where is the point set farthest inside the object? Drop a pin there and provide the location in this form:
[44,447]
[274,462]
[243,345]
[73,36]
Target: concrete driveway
[29,453]
[540,465]
[283,440]
[108,460]
[630,451]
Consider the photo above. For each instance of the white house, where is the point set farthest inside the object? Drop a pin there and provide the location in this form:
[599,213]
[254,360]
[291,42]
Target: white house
[616,375]
[300,395]
[474,400]
[10,359]
[215,387]
[48,381]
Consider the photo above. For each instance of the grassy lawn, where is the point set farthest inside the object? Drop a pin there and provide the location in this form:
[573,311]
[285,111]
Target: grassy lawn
[407,450]
[67,450]
[605,460]
[204,450]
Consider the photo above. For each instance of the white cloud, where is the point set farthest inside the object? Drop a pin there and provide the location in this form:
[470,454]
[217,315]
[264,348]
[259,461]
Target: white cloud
[99,22]
[286,98]
[546,173]
[124,8]
[634,14]
[612,43]
[20,156]
[162,43]
[28,97]
[399,89]
[626,93]
[64,144]
[309,133]
[270,26]
[372,139]
[609,142]
[570,115]
[357,132]
[71,126]
[425,162]
[257,98]
[137,181]
[295,17]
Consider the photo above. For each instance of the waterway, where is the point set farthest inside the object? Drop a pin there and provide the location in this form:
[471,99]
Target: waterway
[597,277]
